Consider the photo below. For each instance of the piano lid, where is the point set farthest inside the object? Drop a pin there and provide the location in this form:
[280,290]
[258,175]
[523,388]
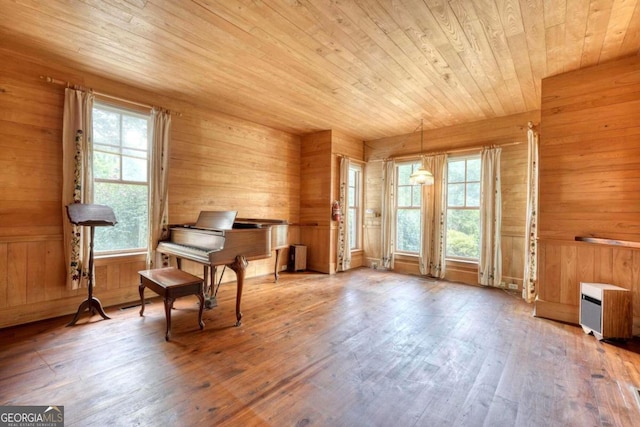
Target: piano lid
[219,220]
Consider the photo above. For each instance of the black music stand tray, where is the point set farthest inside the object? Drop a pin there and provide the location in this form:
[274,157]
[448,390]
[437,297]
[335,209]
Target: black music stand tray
[91,216]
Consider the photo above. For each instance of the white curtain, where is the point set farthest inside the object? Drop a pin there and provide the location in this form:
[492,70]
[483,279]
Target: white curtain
[388,214]
[490,263]
[344,238]
[159,137]
[77,180]
[531,236]
[432,260]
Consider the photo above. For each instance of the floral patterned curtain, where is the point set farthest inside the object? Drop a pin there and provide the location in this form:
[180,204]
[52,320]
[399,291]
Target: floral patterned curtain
[531,236]
[388,216]
[432,259]
[490,262]
[159,138]
[77,180]
[344,243]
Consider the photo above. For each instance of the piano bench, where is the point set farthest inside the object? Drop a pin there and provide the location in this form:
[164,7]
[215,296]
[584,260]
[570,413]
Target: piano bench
[171,283]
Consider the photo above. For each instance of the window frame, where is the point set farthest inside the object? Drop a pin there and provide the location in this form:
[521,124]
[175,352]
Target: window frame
[139,114]
[465,206]
[414,187]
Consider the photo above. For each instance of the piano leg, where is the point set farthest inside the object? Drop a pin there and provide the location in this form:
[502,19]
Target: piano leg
[276,272]
[239,266]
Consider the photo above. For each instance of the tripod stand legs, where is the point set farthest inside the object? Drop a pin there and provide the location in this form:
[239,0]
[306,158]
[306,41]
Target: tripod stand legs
[92,305]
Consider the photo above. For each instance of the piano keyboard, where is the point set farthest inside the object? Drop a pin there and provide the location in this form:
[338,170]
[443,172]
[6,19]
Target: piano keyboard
[183,251]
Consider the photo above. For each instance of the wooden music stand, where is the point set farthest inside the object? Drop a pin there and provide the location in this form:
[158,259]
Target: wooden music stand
[91,216]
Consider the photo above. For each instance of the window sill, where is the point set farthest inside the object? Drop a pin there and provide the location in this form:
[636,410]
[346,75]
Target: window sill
[119,258]
[461,261]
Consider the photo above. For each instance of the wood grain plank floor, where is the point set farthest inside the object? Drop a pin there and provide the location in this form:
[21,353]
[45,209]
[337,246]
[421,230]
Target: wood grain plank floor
[362,348]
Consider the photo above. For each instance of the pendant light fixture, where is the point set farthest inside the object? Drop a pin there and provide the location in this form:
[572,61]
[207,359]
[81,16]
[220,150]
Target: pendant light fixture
[421,176]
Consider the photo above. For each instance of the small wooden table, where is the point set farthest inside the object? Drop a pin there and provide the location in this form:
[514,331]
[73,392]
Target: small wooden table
[171,283]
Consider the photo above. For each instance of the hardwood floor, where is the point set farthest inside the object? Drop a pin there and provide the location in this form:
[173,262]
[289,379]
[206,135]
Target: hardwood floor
[363,348]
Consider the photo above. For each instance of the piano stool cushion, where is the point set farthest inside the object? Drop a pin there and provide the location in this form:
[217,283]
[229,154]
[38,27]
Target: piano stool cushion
[171,283]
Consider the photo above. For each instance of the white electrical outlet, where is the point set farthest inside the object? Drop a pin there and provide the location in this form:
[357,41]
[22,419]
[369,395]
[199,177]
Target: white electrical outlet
[513,286]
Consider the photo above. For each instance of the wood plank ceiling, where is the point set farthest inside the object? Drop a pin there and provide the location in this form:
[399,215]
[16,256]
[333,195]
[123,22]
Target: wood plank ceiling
[369,68]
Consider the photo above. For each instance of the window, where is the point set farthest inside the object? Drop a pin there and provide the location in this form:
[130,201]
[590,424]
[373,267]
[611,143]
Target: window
[354,202]
[463,208]
[121,178]
[408,201]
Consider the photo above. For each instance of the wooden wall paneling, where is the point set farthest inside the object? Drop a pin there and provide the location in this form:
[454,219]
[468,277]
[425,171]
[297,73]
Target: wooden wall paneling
[500,130]
[101,275]
[513,260]
[316,186]
[569,286]
[347,145]
[506,243]
[55,269]
[461,272]
[232,166]
[317,240]
[585,257]
[36,252]
[622,268]
[635,292]
[17,273]
[604,264]
[589,173]
[4,275]
[551,272]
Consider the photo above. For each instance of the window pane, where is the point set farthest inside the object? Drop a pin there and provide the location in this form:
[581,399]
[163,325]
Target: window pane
[417,196]
[408,230]
[134,169]
[106,126]
[106,166]
[129,203]
[455,171]
[463,233]
[134,132]
[473,194]
[353,227]
[404,196]
[352,196]
[455,195]
[404,172]
[473,169]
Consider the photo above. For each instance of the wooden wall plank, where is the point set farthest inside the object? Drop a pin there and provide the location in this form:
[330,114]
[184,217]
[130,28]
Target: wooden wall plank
[4,275]
[36,252]
[17,265]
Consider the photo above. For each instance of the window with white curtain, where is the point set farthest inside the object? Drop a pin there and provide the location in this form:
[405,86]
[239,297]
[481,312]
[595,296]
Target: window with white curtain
[408,202]
[463,208]
[354,208]
[121,177]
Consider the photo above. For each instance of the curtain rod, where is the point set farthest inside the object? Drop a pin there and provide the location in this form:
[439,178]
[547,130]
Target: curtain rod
[452,151]
[103,95]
